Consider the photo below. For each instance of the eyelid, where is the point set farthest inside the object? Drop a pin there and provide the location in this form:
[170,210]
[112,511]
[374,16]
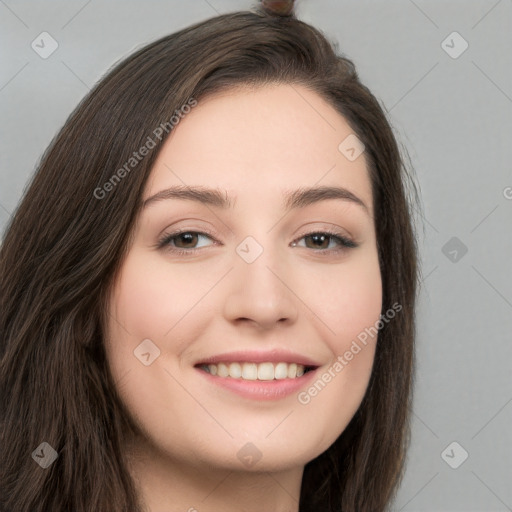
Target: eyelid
[163,240]
[333,231]
[344,242]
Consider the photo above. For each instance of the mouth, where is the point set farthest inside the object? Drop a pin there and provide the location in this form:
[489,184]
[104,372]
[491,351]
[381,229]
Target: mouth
[258,376]
[250,371]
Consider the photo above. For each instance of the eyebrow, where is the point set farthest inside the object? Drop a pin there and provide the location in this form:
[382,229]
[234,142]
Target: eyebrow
[218,198]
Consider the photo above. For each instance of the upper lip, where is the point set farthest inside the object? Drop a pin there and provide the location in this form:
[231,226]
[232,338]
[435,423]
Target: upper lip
[259,356]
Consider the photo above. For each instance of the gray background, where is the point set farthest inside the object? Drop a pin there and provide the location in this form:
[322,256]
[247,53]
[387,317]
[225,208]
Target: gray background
[454,117]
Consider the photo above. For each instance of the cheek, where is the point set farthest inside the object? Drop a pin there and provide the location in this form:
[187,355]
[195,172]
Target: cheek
[152,300]
[349,307]
[149,303]
[346,301]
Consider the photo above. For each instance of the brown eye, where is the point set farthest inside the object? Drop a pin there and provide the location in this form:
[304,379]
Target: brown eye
[185,240]
[319,240]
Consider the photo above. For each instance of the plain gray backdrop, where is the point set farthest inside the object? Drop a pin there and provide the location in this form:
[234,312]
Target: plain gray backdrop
[443,71]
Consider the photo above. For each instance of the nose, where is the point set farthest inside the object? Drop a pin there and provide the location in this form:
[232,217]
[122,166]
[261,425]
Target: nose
[261,293]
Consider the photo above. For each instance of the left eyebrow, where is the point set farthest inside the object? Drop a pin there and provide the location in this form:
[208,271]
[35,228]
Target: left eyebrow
[218,198]
[306,196]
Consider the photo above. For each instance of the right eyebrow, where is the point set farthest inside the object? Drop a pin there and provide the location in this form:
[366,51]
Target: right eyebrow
[204,195]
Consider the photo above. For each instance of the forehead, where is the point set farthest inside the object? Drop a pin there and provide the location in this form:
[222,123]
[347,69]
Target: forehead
[259,142]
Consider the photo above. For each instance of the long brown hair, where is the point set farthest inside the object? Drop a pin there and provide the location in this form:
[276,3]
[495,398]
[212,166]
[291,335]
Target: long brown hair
[63,247]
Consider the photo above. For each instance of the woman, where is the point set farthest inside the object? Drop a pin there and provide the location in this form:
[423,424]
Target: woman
[208,289]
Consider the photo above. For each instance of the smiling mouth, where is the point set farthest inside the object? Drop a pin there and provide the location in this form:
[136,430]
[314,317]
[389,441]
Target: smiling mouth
[257,371]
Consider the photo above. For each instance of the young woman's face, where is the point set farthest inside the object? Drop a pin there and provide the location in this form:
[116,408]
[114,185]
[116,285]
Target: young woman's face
[257,286]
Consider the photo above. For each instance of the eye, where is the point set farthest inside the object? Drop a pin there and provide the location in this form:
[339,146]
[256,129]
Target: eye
[182,241]
[323,241]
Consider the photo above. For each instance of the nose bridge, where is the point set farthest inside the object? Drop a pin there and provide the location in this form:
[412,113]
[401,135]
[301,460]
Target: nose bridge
[257,289]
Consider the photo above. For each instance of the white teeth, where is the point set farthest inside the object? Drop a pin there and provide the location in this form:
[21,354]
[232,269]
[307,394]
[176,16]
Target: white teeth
[222,370]
[249,371]
[281,371]
[266,371]
[235,370]
[253,371]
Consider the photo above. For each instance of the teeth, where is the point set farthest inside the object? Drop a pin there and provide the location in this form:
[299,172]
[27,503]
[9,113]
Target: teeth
[253,371]
[281,371]
[249,371]
[222,370]
[266,371]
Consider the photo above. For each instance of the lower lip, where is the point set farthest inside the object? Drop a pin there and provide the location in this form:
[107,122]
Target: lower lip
[261,389]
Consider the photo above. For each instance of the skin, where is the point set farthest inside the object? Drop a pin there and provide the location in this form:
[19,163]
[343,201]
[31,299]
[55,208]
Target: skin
[255,144]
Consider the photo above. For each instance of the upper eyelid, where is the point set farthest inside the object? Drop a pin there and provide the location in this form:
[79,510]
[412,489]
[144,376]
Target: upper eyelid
[343,232]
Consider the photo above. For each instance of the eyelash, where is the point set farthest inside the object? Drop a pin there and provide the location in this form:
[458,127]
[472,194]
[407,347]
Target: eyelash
[344,242]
